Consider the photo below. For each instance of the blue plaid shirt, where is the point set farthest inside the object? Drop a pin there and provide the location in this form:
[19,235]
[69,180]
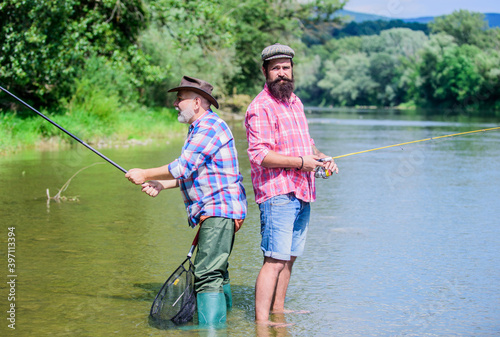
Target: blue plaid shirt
[208,171]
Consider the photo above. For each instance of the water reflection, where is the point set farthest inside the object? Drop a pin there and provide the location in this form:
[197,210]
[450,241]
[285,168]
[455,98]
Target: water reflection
[274,331]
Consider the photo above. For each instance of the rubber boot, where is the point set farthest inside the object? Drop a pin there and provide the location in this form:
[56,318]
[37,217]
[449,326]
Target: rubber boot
[211,308]
[228,295]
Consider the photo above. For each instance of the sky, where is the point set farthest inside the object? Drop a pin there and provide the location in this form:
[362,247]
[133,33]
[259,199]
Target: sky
[419,8]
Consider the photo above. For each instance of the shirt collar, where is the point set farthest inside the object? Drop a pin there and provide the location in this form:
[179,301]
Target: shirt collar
[198,120]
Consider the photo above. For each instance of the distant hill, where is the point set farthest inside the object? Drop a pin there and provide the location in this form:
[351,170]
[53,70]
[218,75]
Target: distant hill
[370,27]
[493,19]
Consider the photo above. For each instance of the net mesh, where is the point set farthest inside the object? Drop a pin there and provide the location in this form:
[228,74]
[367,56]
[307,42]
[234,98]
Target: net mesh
[176,300]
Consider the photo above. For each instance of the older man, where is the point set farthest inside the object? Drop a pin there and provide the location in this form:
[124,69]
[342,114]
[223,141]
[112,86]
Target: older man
[207,173]
[282,157]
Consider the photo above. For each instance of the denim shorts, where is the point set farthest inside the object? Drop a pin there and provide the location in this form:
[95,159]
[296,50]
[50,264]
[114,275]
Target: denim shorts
[283,226]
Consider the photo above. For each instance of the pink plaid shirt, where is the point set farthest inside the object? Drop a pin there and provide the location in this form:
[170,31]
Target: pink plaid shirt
[281,127]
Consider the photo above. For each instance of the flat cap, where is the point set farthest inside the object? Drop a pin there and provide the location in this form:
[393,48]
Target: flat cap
[277,51]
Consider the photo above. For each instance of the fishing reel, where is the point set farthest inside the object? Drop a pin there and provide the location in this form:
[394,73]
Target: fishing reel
[320,171]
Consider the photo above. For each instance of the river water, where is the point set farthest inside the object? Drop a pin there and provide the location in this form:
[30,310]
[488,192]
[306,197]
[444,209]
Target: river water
[404,241]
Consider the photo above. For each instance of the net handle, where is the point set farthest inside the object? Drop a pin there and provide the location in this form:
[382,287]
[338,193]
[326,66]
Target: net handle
[194,244]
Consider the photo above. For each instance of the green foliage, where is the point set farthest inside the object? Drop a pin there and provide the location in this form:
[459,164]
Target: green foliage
[138,125]
[348,81]
[45,43]
[366,70]
[233,33]
[259,23]
[15,131]
[103,89]
[214,66]
[97,63]
[466,27]
[383,70]
[190,22]
[402,41]
[457,67]
[456,76]
[306,78]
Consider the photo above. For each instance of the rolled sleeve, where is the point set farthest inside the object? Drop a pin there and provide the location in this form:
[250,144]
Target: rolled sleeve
[174,169]
[260,135]
[257,157]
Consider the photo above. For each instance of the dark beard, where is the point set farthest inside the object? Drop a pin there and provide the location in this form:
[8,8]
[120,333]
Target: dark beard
[281,91]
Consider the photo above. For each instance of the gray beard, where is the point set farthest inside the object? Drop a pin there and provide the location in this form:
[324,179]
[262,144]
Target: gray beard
[185,115]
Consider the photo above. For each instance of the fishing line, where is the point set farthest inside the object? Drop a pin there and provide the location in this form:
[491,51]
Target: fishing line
[67,132]
[417,141]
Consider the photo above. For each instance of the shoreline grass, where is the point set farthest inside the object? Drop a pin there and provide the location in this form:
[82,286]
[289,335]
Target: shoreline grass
[135,125]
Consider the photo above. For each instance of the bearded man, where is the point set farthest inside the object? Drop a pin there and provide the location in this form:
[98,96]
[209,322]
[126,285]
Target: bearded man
[208,175]
[282,157]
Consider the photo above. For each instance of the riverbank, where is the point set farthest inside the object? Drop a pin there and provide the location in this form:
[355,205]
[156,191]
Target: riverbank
[139,126]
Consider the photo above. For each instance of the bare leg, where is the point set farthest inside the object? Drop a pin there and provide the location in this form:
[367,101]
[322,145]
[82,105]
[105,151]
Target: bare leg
[278,303]
[265,287]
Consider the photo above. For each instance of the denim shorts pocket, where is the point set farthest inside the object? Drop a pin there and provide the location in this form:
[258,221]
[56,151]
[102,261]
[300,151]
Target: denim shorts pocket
[280,200]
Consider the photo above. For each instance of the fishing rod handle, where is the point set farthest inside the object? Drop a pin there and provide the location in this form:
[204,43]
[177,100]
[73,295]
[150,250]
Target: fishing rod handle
[195,243]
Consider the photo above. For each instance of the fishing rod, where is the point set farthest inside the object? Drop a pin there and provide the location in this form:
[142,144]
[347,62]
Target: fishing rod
[417,141]
[67,132]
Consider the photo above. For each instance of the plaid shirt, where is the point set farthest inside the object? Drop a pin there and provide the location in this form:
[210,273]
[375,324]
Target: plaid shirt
[282,128]
[208,172]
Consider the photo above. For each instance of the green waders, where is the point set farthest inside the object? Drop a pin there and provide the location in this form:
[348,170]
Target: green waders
[213,292]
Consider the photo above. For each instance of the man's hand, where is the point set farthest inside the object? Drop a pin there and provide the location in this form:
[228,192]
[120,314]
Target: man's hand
[329,164]
[136,176]
[310,162]
[152,188]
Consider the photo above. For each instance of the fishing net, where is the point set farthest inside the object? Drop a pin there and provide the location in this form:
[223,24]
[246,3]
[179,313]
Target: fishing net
[176,300]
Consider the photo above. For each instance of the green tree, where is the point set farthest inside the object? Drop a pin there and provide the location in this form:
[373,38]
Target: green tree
[307,75]
[194,22]
[264,22]
[400,65]
[173,62]
[45,43]
[456,76]
[348,80]
[237,31]
[384,55]
[466,27]
[387,67]
[403,41]
[334,49]
[383,70]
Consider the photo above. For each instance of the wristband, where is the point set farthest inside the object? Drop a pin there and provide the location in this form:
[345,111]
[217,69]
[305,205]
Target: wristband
[302,165]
